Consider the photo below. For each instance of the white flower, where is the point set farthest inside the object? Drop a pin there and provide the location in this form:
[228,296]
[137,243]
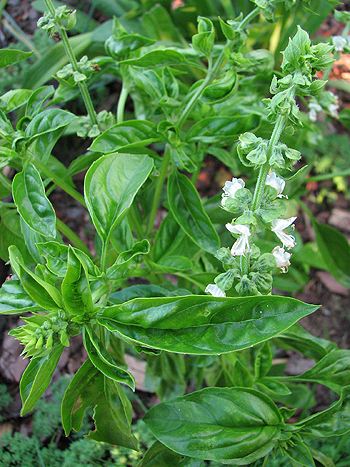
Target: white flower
[278,226]
[333,110]
[232,186]
[339,43]
[314,109]
[241,245]
[282,258]
[214,290]
[276,182]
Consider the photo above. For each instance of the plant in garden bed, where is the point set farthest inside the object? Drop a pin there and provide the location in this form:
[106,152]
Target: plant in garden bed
[242,409]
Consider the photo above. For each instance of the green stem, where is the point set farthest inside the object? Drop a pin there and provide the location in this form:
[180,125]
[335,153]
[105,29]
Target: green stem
[121,103]
[71,56]
[72,236]
[47,172]
[250,16]
[212,72]
[158,189]
[319,178]
[264,169]
[190,279]
[263,172]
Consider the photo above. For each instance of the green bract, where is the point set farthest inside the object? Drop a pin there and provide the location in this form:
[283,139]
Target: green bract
[184,282]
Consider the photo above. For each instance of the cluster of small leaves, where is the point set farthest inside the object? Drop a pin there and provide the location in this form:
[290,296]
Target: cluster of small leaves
[70,76]
[64,17]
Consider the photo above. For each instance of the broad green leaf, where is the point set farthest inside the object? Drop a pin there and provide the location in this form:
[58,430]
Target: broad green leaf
[228,425]
[156,58]
[31,201]
[297,338]
[56,256]
[333,370]
[14,99]
[145,291]
[338,424]
[104,362]
[37,99]
[12,56]
[37,377]
[125,136]
[172,242]
[300,453]
[186,207]
[159,455]
[90,389]
[48,121]
[117,269]
[218,129]
[201,324]
[75,288]
[111,185]
[10,228]
[41,292]
[335,251]
[14,300]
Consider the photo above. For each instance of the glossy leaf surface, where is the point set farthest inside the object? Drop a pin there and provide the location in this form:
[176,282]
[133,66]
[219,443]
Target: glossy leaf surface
[125,136]
[229,425]
[37,377]
[31,201]
[111,185]
[187,209]
[204,325]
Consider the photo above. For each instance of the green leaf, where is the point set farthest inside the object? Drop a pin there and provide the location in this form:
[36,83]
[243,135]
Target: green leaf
[125,136]
[90,389]
[14,99]
[48,121]
[116,270]
[333,370]
[159,455]
[14,300]
[218,129]
[338,424]
[300,453]
[104,361]
[41,292]
[297,48]
[56,256]
[335,251]
[186,207]
[31,201]
[37,377]
[12,56]
[228,425]
[201,324]
[145,291]
[111,185]
[157,58]
[75,288]
[297,338]
[172,242]
[37,99]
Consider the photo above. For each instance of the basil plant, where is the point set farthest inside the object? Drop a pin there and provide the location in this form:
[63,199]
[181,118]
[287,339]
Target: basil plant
[181,282]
